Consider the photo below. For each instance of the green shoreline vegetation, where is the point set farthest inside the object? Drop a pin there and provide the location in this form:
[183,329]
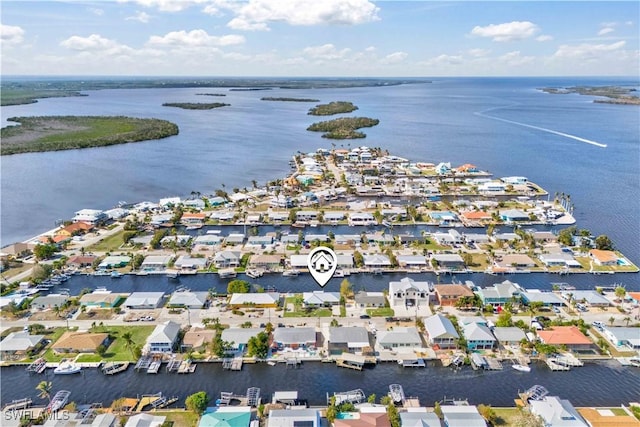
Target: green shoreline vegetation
[285,99]
[335,107]
[344,127]
[25,96]
[54,133]
[195,105]
[613,94]
[211,94]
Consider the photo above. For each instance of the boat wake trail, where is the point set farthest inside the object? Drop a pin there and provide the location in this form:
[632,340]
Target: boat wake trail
[555,132]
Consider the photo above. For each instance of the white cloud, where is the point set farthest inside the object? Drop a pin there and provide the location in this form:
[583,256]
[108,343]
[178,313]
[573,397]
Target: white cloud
[587,50]
[93,42]
[479,53]
[394,58]
[514,59]
[167,5]
[96,11]
[195,38]
[446,60]
[325,52]
[139,16]
[544,38]
[605,30]
[11,34]
[256,15]
[516,30]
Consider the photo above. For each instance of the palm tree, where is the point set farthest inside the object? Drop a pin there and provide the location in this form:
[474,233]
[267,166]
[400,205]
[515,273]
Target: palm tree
[611,320]
[627,320]
[127,337]
[44,390]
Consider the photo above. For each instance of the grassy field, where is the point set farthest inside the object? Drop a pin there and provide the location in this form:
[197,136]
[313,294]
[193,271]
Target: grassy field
[319,312]
[110,243]
[380,312]
[25,96]
[37,134]
[179,418]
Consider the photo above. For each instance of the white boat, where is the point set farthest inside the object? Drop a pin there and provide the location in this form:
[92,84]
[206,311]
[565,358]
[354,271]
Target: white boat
[338,273]
[67,367]
[116,275]
[271,363]
[290,273]
[226,273]
[521,368]
[59,400]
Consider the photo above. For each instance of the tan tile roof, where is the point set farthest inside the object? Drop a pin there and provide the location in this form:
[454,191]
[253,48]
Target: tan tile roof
[366,420]
[79,341]
[603,256]
[595,419]
[453,290]
[563,335]
[198,337]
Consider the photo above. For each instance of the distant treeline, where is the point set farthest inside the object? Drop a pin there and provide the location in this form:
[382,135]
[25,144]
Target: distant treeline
[195,105]
[54,133]
[271,98]
[211,94]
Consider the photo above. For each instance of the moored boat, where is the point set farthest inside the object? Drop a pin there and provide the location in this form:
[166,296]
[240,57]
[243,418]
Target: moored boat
[521,368]
[67,367]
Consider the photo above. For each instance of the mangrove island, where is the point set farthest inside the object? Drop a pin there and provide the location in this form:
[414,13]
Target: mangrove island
[195,105]
[335,107]
[344,127]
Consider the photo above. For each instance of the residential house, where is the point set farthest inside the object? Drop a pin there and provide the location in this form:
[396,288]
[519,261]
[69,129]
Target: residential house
[379,418]
[294,338]
[348,339]
[193,219]
[226,416]
[90,216]
[164,338]
[548,299]
[400,338]
[513,215]
[155,263]
[80,342]
[619,336]
[320,299]
[307,215]
[207,240]
[101,299]
[515,261]
[509,335]
[234,239]
[197,339]
[478,337]
[361,218]
[81,261]
[259,242]
[419,417]
[557,412]
[19,344]
[74,229]
[376,261]
[449,295]
[50,301]
[462,416]
[189,299]
[408,293]
[144,300]
[145,420]
[306,417]
[499,294]
[568,336]
[452,262]
[370,299]
[255,300]
[268,262]
[603,258]
[189,264]
[592,298]
[412,262]
[559,259]
[440,332]
[239,337]
[114,261]
[226,259]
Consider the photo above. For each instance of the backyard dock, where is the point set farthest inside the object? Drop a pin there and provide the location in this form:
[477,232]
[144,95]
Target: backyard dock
[18,404]
[551,363]
[38,366]
[187,367]
[112,368]
[351,361]
[234,364]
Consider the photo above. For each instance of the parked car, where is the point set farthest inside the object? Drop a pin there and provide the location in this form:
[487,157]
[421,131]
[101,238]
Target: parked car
[365,316]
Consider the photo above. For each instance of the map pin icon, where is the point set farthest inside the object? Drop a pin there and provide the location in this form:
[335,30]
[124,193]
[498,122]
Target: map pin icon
[322,263]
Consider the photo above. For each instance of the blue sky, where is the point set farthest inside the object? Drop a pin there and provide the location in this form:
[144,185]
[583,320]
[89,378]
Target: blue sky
[319,38]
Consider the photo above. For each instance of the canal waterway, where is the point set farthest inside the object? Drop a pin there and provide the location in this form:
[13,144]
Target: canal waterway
[604,383]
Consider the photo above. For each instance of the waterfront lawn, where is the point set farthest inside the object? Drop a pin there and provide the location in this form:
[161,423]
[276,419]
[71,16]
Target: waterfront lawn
[111,243]
[179,418]
[509,416]
[118,351]
[381,312]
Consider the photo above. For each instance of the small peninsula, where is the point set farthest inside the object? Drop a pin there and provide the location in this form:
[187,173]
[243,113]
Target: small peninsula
[54,133]
[611,94]
[344,127]
[195,105]
[336,107]
[285,99]
[12,96]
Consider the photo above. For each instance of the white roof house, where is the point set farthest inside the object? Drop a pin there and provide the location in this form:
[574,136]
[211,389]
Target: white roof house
[189,299]
[145,420]
[294,336]
[140,300]
[185,262]
[440,331]
[592,298]
[155,262]
[294,418]
[557,412]
[547,298]
[419,419]
[163,338]
[408,292]
[258,299]
[239,337]
[352,336]
[478,336]
[400,338]
[462,416]
[376,260]
[509,335]
[623,336]
[91,216]
[114,261]
[321,298]
[18,342]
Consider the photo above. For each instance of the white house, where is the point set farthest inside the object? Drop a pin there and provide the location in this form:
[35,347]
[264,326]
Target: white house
[400,339]
[408,293]
[144,300]
[90,216]
[145,420]
[557,412]
[440,331]
[164,337]
[320,299]
[294,418]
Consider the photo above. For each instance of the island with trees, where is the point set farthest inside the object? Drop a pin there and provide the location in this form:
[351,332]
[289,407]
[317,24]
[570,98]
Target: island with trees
[211,94]
[286,99]
[196,105]
[344,127]
[335,107]
[611,94]
[54,133]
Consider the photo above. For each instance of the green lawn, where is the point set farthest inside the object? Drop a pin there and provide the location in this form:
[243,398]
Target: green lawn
[318,312]
[380,312]
[110,243]
[179,418]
